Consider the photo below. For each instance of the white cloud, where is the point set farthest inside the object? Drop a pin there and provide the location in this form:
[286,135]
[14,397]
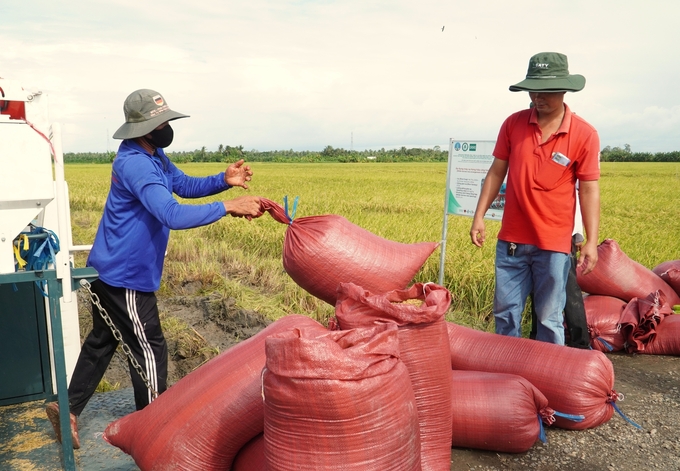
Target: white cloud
[276,74]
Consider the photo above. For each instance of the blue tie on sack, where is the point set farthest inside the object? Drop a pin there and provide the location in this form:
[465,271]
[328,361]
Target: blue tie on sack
[290,216]
[35,251]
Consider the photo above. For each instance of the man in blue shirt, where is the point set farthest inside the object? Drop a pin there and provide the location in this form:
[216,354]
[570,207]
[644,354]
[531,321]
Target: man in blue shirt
[130,245]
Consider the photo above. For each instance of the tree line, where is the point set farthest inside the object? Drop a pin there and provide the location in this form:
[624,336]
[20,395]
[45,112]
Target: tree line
[338,154]
[625,154]
[328,154]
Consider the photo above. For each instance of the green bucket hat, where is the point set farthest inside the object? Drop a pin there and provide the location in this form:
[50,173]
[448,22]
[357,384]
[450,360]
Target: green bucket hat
[144,111]
[549,72]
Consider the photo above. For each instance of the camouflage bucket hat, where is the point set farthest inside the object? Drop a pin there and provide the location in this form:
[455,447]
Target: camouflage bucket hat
[144,111]
[549,72]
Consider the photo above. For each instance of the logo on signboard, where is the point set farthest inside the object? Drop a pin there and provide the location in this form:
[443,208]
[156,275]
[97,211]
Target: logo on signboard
[465,146]
[473,147]
[456,146]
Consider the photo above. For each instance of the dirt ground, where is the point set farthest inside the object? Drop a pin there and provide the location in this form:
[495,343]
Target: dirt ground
[650,385]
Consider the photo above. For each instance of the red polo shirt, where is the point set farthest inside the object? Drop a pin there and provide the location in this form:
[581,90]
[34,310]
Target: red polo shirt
[540,195]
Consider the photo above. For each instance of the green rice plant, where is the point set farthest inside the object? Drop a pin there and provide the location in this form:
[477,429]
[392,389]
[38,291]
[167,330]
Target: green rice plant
[639,205]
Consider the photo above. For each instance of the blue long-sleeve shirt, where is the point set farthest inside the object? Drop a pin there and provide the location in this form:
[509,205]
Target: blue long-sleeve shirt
[130,244]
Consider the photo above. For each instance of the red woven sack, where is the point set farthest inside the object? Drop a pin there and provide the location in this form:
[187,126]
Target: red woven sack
[575,381]
[640,318]
[202,421]
[670,273]
[496,411]
[603,314]
[667,339]
[339,401]
[251,456]
[423,343]
[617,275]
[320,252]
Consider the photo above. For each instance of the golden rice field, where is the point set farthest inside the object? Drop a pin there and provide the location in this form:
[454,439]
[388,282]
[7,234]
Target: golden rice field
[402,202]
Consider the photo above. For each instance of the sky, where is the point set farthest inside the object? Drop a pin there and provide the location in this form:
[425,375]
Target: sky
[356,74]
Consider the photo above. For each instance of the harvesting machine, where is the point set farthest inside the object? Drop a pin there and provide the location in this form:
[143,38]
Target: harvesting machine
[39,332]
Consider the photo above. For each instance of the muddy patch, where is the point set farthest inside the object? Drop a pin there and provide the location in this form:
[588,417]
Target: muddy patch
[214,325]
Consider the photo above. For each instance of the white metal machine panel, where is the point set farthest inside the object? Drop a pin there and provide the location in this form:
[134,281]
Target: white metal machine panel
[26,177]
[33,190]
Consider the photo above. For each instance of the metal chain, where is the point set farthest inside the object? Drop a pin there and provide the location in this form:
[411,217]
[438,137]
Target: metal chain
[118,336]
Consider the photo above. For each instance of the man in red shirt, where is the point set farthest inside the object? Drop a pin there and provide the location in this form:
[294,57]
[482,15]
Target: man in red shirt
[543,151]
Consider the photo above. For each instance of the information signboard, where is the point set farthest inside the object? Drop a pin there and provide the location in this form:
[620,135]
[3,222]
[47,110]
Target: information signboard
[469,161]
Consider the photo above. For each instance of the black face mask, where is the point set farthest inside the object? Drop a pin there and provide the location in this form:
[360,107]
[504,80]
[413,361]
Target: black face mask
[161,137]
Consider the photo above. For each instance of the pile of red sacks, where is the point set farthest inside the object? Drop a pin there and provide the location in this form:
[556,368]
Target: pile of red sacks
[389,385]
[630,307]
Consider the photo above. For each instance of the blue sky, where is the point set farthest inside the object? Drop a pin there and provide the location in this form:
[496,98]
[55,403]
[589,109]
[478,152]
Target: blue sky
[282,74]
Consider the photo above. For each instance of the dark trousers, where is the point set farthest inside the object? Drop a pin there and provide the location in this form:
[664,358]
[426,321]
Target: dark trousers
[135,314]
[574,311]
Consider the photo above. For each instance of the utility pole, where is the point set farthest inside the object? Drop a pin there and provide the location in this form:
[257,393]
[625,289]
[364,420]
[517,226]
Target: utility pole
[351,141]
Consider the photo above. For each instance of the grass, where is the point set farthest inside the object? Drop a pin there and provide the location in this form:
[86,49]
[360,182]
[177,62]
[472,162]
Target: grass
[640,210]
[188,342]
[402,202]
[106,386]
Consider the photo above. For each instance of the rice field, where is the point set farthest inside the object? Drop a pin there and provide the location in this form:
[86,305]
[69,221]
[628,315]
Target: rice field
[403,202]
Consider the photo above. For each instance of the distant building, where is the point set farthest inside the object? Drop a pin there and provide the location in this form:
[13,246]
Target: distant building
[371,157]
